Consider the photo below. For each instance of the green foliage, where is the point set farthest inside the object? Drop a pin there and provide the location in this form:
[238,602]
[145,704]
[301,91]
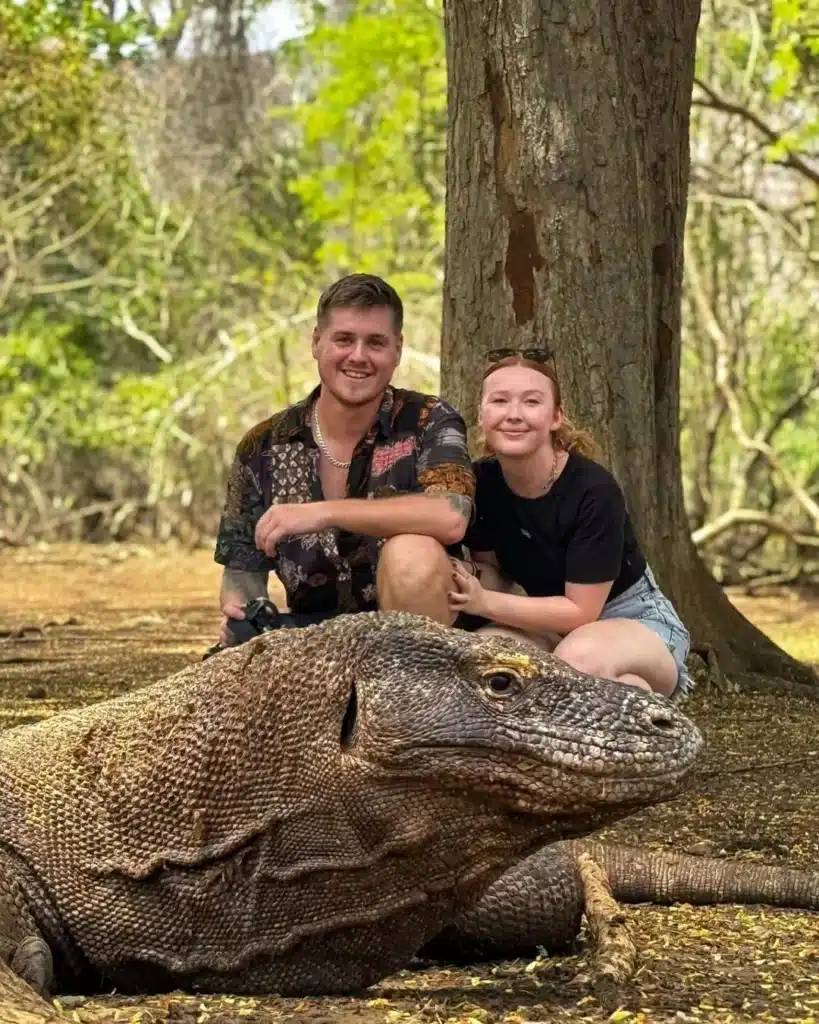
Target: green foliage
[794,47]
[49,94]
[50,387]
[372,131]
[78,25]
[749,376]
[765,58]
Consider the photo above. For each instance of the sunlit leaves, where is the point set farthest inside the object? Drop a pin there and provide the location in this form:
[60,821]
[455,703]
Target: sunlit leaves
[372,127]
[795,51]
[86,25]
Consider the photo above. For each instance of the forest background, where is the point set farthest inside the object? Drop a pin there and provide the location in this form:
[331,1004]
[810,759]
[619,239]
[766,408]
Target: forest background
[179,180]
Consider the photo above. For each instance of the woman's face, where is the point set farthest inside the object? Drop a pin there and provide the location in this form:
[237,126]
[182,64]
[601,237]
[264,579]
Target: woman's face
[518,412]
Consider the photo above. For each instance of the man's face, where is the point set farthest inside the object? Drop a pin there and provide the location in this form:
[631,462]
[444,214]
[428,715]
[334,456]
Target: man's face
[357,351]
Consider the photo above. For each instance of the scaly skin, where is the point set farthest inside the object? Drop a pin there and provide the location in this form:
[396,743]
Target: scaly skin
[538,902]
[303,813]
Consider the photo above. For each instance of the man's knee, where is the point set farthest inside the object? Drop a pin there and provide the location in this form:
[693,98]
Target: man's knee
[412,562]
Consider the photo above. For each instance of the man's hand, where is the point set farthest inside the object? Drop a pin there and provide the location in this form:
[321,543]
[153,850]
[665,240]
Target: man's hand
[232,609]
[289,521]
[238,587]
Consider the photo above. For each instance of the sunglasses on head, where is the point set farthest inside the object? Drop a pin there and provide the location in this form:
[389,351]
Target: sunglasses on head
[536,355]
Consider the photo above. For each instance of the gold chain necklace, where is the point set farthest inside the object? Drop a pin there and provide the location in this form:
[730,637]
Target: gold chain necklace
[552,474]
[323,445]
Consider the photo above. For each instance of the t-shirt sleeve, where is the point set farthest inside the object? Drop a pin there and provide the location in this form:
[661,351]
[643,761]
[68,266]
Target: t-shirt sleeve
[244,506]
[594,553]
[480,536]
[444,465]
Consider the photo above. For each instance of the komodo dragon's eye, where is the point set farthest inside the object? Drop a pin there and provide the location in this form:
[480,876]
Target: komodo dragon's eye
[502,684]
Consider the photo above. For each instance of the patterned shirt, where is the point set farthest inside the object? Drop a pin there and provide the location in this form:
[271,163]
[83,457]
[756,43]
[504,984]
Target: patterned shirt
[417,444]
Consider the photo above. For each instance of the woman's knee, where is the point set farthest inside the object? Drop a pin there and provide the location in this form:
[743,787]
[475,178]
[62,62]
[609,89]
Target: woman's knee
[583,651]
[619,648]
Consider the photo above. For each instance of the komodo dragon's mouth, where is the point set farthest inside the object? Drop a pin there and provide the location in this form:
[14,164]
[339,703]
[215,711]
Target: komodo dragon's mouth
[525,762]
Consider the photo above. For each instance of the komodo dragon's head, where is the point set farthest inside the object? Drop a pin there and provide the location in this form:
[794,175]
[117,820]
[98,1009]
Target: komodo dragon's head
[506,721]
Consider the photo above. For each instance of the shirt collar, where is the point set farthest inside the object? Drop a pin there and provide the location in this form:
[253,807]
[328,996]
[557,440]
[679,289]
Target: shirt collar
[298,427]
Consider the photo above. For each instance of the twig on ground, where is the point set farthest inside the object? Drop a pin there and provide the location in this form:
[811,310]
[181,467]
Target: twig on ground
[615,954]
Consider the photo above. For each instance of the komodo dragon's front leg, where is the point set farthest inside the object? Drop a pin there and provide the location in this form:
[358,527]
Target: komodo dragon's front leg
[540,901]
[26,970]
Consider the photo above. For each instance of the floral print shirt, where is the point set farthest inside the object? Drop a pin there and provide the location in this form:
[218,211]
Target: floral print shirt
[417,444]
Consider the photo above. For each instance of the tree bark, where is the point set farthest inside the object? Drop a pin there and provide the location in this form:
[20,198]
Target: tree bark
[567,175]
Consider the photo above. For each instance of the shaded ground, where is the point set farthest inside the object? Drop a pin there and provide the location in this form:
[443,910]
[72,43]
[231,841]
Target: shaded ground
[80,623]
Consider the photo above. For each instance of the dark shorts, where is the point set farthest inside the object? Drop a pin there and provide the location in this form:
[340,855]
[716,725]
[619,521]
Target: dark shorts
[295,620]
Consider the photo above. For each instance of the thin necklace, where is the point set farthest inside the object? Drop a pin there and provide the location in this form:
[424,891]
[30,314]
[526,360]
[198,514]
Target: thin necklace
[552,474]
[323,445]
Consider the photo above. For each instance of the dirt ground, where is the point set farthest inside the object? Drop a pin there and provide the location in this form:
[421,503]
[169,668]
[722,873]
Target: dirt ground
[80,623]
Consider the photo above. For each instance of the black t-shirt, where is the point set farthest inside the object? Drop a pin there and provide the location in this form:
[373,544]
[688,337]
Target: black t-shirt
[580,532]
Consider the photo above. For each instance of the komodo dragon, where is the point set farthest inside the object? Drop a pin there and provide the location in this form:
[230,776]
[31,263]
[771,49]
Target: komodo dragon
[303,813]
[306,812]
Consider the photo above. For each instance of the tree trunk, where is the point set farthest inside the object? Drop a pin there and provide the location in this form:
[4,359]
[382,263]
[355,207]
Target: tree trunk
[567,174]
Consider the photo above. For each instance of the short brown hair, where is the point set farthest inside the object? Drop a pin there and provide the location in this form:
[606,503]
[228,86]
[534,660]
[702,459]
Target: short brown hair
[361,291]
[567,437]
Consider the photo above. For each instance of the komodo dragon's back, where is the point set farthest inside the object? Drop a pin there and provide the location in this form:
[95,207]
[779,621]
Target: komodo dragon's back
[303,813]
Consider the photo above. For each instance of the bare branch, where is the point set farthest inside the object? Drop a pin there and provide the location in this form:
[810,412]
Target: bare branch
[756,444]
[73,285]
[774,138]
[753,517]
[789,412]
[135,332]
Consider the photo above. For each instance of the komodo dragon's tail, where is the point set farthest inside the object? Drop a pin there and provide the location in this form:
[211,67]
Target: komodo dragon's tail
[638,875]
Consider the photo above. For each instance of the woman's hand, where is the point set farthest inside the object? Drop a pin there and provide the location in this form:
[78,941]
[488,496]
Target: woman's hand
[467,594]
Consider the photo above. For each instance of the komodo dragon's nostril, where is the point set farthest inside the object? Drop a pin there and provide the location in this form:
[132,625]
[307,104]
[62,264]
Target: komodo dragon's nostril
[659,720]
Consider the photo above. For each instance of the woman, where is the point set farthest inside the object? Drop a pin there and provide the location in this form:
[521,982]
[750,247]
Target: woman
[553,521]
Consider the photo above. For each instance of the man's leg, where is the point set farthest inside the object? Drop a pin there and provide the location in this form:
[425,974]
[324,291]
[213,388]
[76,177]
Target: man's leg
[414,575]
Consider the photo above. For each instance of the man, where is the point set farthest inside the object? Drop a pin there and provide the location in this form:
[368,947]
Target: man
[352,495]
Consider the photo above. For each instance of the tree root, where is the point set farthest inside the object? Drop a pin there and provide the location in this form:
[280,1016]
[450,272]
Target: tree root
[615,954]
[715,679]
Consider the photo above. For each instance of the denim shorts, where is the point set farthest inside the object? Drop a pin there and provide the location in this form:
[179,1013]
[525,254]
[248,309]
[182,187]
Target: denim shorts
[644,602]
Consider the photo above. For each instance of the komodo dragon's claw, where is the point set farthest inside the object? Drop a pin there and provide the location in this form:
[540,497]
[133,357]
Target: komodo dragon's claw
[32,961]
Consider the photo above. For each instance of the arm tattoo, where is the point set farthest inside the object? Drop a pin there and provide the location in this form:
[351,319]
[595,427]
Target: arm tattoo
[246,585]
[461,503]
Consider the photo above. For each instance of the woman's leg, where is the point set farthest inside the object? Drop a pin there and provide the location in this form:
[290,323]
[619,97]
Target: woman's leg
[623,650]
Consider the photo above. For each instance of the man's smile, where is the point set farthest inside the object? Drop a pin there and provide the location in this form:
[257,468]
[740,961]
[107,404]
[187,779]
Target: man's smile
[357,374]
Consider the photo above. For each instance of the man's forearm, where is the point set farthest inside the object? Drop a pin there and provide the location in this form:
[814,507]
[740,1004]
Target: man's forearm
[240,586]
[535,614]
[444,517]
